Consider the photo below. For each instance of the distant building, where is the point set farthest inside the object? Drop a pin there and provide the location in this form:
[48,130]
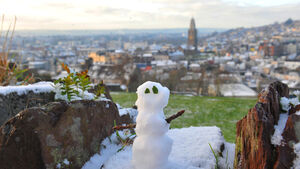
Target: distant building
[192,36]
[98,57]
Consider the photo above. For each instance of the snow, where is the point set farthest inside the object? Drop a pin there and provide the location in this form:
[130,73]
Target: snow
[151,146]
[190,151]
[294,101]
[66,161]
[236,90]
[297,93]
[187,148]
[109,147]
[297,152]
[277,136]
[82,95]
[40,87]
[46,87]
[131,111]
[227,161]
[286,103]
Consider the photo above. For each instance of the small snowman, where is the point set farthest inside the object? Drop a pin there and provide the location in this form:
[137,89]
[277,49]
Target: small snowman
[152,146]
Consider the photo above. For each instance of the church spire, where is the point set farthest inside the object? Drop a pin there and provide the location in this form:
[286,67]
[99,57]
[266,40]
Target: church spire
[192,24]
[192,36]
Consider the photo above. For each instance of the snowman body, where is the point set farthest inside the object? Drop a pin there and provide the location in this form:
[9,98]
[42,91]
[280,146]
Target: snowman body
[152,146]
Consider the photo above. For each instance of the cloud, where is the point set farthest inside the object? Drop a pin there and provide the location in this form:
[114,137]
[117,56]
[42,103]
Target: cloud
[59,5]
[116,14]
[102,10]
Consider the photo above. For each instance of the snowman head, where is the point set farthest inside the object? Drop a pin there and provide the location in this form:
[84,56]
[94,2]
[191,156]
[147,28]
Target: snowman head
[152,96]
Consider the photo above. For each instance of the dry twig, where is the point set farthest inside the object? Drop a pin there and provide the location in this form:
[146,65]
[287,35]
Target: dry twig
[131,126]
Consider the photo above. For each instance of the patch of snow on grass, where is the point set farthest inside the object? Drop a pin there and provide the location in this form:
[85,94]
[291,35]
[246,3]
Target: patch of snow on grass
[109,147]
[191,146]
[236,90]
[228,156]
[277,136]
[40,87]
[131,111]
[190,151]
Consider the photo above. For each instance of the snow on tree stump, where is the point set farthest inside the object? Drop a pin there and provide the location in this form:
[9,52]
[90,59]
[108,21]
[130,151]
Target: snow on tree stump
[57,135]
[254,146]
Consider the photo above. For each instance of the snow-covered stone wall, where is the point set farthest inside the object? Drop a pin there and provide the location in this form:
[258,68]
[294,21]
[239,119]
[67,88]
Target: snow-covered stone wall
[14,99]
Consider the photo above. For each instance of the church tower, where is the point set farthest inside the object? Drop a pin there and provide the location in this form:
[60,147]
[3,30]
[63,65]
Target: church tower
[192,36]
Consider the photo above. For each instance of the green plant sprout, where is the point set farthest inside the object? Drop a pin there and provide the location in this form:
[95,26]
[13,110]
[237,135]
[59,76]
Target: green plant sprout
[100,89]
[71,84]
[130,135]
[217,158]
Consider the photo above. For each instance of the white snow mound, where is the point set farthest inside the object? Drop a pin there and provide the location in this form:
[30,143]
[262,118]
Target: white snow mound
[190,151]
[40,87]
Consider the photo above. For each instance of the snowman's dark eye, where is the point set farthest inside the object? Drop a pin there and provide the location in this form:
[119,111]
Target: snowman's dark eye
[147,91]
[154,89]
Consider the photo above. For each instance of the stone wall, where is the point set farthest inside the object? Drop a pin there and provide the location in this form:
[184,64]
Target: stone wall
[57,134]
[12,103]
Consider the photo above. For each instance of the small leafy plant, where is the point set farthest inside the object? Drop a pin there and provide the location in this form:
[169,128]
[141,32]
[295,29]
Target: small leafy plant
[129,137]
[73,84]
[100,89]
[83,81]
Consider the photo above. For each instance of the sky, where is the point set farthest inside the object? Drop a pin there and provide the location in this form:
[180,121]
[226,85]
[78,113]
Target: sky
[145,14]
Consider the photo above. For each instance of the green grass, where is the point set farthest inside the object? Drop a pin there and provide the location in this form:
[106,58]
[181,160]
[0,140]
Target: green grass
[222,112]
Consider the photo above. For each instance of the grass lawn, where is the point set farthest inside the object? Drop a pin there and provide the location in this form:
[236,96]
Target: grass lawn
[223,112]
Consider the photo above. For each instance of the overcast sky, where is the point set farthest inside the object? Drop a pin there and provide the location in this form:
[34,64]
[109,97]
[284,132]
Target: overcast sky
[146,14]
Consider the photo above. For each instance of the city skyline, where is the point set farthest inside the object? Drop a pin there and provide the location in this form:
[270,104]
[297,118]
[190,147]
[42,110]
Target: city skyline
[147,14]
